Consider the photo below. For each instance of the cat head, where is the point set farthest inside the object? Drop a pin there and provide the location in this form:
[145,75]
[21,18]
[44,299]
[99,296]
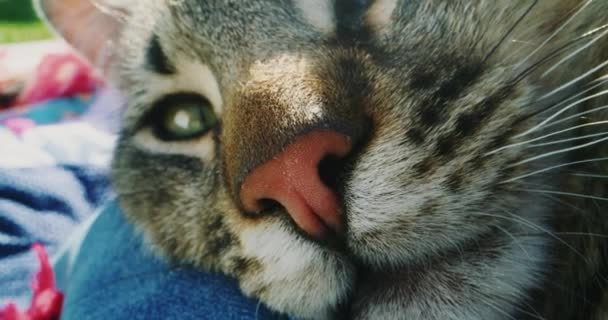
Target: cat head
[320,144]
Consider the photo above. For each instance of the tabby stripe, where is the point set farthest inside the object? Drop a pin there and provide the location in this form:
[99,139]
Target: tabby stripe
[431,111]
[349,15]
[470,122]
[157,60]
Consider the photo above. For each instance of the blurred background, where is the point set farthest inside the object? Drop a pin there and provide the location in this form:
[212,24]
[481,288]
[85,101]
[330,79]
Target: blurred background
[18,22]
[58,119]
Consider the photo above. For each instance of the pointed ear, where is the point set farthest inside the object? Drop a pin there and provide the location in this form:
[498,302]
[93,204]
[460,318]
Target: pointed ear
[90,26]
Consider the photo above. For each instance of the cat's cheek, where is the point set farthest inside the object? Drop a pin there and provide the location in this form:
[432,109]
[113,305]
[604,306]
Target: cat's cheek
[294,276]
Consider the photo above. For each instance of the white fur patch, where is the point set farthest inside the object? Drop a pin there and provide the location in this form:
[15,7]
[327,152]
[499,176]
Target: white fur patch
[318,13]
[300,278]
[380,14]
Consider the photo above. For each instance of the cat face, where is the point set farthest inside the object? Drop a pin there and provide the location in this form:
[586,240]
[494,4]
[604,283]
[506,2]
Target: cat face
[433,104]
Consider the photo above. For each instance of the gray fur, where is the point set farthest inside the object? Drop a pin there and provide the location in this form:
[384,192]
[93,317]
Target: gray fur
[439,224]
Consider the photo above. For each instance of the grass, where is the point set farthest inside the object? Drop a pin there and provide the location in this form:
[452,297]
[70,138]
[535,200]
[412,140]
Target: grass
[21,32]
[18,22]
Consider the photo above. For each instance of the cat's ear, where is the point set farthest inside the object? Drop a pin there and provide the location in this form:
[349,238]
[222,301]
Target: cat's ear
[90,26]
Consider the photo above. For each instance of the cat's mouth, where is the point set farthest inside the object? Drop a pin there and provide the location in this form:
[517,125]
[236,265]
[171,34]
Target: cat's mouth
[330,238]
[477,246]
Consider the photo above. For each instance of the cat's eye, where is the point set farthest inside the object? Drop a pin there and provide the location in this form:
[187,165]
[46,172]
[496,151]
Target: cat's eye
[183,117]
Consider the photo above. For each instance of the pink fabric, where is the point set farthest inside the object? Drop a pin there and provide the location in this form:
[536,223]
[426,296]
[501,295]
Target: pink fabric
[39,71]
[19,125]
[46,301]
[59,75]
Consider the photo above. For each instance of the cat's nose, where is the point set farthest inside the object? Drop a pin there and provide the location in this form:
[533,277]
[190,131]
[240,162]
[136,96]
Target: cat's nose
[293,179]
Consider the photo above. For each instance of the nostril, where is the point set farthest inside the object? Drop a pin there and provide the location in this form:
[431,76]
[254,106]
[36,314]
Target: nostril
[330,168]
[268,205]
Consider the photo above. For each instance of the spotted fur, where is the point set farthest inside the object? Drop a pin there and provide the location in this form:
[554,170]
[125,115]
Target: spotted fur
[468,196]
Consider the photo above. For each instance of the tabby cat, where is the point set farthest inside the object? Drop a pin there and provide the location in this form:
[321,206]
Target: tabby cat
[380,159]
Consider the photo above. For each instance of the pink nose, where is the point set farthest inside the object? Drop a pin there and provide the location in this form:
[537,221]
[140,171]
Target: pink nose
[292,179]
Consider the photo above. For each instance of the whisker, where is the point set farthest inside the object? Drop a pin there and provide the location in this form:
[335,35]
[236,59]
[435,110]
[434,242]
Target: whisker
[596,29]
[601,80]
[564,109]
[564,203]
[515,240]
[497,308]
[556,32]
[579,50]
[575,80]
[552,153]
[549,57]
[589,175]
[509,32]
[534,313]
[578,115]
[567,140]
[546,136]
[526,222]
[585,234]
[552,168]
[563,193]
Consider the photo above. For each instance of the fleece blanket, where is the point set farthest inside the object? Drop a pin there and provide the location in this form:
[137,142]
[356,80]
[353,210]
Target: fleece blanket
[111,274]
[53,163]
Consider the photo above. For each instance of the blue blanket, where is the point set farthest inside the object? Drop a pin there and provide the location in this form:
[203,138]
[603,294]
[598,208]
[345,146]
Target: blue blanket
[41,205]
[114,276]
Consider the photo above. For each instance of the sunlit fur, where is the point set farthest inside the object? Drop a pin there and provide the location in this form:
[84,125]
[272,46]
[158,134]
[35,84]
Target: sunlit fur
[455,206]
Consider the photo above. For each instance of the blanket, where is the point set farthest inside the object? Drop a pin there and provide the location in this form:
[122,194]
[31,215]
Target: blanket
[53,163]
[111,274]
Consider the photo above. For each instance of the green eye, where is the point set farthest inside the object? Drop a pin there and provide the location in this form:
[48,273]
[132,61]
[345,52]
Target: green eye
[183,117]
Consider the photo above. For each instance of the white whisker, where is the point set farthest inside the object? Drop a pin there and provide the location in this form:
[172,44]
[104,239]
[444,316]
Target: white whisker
[576,52]
[562,27]
[496,308]
[563,193]
[564,109]
[546,136]
[598,83]
[575,80]
[515,240]
[595,30]
[515,218]
[552,153]
[552,168]
[589,175]
[567,140]
[597,235]
[564,203]
[581,114]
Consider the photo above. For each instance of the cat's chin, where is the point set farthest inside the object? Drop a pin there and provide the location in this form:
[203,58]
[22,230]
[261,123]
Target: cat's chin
[473,282]
[295,276]
[302,278]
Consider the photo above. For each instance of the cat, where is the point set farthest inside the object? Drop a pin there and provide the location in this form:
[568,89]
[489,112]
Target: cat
[381,159]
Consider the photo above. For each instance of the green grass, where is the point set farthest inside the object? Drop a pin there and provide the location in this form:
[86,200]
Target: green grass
[21,32]
[18,22]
